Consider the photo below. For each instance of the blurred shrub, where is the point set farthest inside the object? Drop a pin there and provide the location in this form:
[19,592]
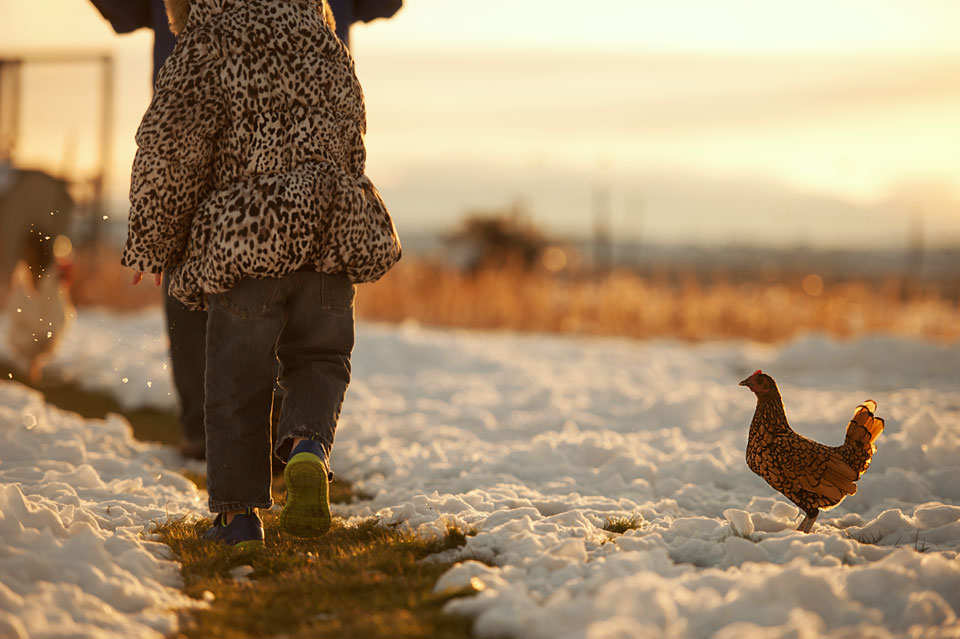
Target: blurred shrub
[495,240]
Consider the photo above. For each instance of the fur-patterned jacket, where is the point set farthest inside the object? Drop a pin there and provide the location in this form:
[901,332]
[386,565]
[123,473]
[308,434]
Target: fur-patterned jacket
[251,155]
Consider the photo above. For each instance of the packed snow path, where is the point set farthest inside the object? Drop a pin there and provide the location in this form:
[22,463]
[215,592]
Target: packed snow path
[535,442]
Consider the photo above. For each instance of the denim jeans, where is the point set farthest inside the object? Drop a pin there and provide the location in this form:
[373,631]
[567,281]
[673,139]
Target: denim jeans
[187,330]
[304,320]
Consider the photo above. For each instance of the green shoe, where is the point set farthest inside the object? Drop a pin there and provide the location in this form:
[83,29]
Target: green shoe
[307,511]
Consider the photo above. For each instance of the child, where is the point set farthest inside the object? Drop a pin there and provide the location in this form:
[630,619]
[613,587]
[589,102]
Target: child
[249,186]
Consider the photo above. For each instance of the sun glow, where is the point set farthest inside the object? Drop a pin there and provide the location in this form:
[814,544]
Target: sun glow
[850,100]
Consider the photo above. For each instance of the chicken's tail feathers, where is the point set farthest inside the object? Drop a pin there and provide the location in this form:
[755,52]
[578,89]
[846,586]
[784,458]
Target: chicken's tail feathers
[864,426]
[862,432]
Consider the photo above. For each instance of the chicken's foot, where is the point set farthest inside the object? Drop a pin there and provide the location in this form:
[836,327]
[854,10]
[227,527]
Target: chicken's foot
[807,522]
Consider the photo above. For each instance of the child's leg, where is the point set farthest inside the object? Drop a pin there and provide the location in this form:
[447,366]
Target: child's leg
[242,329]
[314,352]
[187,331]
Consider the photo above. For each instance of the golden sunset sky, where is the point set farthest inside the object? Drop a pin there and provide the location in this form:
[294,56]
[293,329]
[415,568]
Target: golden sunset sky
[736,121]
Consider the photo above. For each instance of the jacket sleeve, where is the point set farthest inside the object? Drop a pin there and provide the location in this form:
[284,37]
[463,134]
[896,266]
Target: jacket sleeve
[367,10]
[172,171]
[125,15]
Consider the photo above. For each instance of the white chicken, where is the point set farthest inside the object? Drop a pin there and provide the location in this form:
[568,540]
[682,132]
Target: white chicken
[39,310]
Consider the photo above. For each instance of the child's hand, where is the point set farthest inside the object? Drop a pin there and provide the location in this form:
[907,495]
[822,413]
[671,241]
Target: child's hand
[139,276]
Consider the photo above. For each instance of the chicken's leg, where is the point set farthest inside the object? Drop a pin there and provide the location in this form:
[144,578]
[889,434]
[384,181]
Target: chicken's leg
[33,373]
[809,518]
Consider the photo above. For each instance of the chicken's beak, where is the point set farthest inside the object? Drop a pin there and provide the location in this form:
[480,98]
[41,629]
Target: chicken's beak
[745,382]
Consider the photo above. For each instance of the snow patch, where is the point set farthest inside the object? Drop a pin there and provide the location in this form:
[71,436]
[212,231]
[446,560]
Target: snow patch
[76,497]
[535,442]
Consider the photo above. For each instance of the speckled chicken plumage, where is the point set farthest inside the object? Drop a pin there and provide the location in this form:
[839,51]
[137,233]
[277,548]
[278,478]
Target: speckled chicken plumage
[810,474]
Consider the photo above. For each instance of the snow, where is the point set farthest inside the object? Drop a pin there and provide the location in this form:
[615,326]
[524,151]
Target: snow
[535,442]
[76,499]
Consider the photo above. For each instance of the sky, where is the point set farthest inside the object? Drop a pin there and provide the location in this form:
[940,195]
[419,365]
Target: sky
[780,122]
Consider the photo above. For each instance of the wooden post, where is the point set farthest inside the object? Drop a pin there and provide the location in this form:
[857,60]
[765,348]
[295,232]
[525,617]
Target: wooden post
[10,88]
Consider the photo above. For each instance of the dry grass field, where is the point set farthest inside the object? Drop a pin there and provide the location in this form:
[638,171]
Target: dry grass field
[681,305]
[675,303]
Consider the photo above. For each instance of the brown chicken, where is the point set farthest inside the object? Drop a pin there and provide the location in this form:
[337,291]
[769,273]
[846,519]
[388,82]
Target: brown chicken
[813,476]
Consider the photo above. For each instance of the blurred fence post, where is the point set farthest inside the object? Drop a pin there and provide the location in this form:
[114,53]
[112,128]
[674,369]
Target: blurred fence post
[89,191]
[602,221]
[10,80]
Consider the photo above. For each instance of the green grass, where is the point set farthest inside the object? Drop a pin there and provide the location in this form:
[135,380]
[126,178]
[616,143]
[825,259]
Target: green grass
[621,525]
[919,544]
[360,580]
[866,540]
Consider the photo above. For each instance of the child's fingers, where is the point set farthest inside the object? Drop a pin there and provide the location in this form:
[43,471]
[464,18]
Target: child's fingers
[158,277]
[137,277]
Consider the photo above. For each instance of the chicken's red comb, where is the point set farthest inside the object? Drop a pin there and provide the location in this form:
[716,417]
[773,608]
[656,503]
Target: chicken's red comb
[757,372]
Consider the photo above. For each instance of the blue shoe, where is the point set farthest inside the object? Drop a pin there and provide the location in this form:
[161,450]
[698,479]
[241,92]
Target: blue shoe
[307,511]
[245,531]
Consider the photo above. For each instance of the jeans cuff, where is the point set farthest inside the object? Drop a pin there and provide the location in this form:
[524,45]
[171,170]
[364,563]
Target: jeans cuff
[227,506]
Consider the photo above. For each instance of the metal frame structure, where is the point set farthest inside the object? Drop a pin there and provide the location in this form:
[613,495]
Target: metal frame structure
[89,193]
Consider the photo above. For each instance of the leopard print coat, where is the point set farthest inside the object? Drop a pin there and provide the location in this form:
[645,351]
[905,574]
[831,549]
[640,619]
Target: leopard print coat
[251,155]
